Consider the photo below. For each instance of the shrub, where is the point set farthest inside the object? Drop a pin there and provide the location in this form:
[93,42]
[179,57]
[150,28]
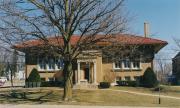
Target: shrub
[60,79]
[149,79]
[105,84]
[46,84]
[51,84]
[128,83]
[34,76]
[161,88]
[133,83]
[122,83]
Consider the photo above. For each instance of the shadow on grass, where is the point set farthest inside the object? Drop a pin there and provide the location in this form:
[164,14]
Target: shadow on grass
[28,97]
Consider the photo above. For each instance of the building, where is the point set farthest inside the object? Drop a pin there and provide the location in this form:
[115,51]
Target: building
[95,68]
[176,67]
[7,62]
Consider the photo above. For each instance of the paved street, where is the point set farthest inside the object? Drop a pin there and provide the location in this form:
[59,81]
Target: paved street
[67,106]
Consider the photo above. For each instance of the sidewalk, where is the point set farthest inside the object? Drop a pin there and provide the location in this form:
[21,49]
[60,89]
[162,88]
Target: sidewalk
[146,94]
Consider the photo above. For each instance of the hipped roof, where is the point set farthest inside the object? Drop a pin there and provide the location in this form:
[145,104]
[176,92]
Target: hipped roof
[120,38]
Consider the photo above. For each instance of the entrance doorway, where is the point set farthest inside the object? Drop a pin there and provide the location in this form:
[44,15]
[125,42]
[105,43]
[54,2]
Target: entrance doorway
[86,73]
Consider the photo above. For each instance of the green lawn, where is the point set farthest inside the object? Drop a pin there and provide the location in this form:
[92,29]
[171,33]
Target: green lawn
[167,90]
[83,97]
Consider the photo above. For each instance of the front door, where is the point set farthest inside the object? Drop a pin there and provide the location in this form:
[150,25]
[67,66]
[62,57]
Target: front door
[86,72]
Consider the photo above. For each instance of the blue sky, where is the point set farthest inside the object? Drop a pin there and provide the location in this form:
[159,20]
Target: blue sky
[163,17]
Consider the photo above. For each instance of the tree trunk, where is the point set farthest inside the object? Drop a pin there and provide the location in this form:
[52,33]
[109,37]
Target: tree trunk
[67,80]
[11,79]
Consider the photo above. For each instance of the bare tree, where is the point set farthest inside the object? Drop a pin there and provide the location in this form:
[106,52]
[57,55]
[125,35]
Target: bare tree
[163,67]
[40,19]
[177,42]
[176,69]
[12,66]
[8,63]
[4,58]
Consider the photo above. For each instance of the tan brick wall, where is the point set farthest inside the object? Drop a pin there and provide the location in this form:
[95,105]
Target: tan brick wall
[108,67]
[29,69]
[99,72]
[44,74]
[48,75]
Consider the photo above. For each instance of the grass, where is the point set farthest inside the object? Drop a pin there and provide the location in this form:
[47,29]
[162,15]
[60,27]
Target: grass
[83,97]
[167,90]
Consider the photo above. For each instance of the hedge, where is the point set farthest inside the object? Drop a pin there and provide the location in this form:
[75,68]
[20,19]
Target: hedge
[128,83]
[52,84]
[104,84]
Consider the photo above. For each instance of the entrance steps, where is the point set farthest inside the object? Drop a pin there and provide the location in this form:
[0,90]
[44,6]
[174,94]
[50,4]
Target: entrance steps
[85,86]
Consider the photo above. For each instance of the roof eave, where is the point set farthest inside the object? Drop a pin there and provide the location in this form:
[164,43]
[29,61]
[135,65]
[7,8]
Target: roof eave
[158,47]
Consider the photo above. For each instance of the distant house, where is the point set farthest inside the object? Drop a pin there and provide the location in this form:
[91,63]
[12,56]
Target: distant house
[6,62]
[19,73]
[176,67]
[92,69]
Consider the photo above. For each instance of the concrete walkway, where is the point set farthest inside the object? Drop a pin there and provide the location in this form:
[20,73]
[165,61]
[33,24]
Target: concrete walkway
[138,93]
[145,94]
[68,106]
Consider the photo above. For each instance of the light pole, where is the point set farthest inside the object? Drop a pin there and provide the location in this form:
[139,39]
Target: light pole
[159,94]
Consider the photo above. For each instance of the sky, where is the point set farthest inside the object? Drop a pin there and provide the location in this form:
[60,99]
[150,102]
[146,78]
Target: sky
[163,17]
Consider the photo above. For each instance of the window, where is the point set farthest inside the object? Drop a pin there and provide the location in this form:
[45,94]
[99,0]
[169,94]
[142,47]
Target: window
[21,66]
[42,64]
[136,78]
[136,64]
[127,63]
[59,63]
[51,79]
[51,63]
[127,78]
[118,65]
[118,78]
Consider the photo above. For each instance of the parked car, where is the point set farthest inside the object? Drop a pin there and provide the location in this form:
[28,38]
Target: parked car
[3,79]
[1,83]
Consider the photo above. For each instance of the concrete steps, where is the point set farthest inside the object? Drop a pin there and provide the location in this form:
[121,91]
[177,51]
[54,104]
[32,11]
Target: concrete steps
[85,86]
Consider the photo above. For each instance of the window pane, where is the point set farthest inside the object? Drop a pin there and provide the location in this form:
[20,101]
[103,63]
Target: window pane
[118,78]
[118,64]
[59,63]
[42,63]
[126,63]
[51,79]
[136,78]
[136,64]
[127,78]
[51,63]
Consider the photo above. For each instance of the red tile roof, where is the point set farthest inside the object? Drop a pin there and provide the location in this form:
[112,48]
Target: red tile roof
[132,39]
[121,38]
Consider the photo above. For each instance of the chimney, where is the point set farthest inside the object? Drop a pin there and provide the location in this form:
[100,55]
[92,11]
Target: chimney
[146,29]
